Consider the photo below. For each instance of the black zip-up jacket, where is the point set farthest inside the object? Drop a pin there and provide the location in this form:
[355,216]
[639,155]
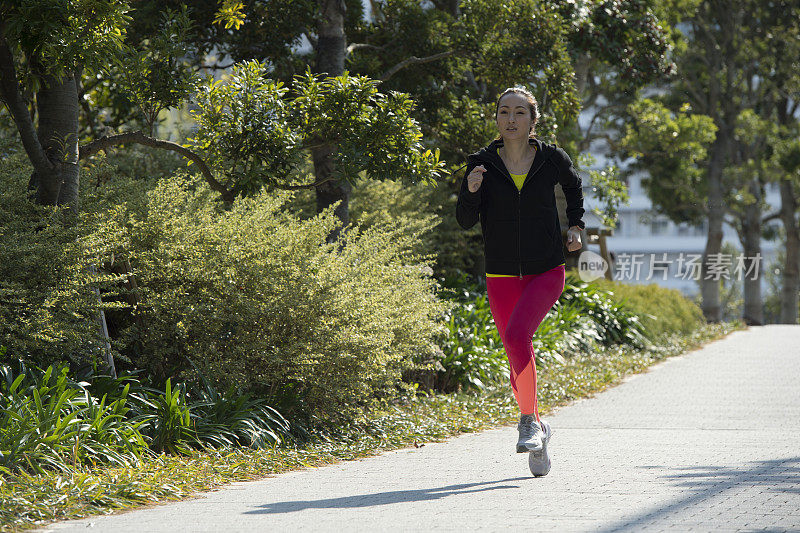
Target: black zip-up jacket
[520,227]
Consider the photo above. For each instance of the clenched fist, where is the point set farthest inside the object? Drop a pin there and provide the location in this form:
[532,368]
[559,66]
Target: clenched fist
[574,239]
[475,178]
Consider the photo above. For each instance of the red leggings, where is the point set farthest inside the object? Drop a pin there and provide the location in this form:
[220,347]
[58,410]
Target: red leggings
[518,307]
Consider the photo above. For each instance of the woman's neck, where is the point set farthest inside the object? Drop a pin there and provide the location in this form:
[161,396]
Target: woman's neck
[516,151]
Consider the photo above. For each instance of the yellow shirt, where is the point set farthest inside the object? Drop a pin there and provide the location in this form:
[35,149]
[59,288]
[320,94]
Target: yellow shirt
[518,179]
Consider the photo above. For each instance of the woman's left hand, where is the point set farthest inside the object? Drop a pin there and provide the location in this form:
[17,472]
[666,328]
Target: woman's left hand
[574,238]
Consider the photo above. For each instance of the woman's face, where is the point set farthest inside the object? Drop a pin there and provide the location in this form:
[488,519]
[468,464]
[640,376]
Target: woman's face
[514,117]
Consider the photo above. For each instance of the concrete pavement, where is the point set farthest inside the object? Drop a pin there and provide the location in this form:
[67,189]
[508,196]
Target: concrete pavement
[705,441]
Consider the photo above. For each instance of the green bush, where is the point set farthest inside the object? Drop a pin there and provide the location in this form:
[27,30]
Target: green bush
[55,419]
[51,422]
[49,309]
[613,321]
[254,297]
[258,301]
[416,206]
[472,355]
[661,310]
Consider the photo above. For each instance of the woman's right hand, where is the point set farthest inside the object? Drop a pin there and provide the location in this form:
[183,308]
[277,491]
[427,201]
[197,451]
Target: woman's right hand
[475,178]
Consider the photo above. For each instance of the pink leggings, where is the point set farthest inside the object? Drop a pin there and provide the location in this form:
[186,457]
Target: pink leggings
[518,307]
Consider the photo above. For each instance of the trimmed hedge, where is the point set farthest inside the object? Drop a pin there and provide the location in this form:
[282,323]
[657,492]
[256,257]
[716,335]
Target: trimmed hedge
[661,310]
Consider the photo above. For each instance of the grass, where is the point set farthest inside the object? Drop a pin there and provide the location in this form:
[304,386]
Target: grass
[32,501]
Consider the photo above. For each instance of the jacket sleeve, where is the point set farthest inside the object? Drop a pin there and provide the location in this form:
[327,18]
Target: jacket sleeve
[571,184]
[469,203]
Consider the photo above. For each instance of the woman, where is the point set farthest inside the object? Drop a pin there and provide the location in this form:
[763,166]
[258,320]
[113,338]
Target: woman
[509,186]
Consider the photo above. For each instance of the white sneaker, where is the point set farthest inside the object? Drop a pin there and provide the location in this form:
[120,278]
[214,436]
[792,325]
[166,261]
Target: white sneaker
[530,434]
[539,460]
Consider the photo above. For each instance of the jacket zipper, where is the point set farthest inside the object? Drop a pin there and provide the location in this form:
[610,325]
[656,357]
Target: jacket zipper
[519,229]
[519,216]
[531,172]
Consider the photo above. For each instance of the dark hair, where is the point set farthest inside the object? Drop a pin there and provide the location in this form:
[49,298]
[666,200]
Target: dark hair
[533,105]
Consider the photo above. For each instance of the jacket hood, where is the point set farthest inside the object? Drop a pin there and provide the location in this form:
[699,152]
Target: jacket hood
[488,154]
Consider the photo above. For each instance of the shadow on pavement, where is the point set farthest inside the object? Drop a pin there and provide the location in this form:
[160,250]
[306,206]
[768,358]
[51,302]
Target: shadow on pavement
[776,475]
[383,498]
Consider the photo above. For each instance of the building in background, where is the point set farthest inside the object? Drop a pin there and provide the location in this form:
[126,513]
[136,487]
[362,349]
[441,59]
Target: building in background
[663,248]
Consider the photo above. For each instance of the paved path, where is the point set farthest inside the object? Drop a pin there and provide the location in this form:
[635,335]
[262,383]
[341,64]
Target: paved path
[707,441]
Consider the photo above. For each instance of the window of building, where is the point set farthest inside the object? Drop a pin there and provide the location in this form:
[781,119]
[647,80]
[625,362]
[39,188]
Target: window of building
[658,226]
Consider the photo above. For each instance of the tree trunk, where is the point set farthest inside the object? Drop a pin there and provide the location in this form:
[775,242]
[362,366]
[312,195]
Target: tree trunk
[753,312]
[582,72]
[710,287]
[57,107]
[791,279]
[791,265]
[330,60]
[331,191]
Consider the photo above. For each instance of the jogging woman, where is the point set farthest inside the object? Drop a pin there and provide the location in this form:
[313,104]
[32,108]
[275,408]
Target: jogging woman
[509,187]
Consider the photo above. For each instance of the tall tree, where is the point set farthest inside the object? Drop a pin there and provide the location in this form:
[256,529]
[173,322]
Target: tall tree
[44,49]
[778,31]
[248,126]
[765,74]
[708,81]
[735,70]
[618,47]
[330,54]
[748,172]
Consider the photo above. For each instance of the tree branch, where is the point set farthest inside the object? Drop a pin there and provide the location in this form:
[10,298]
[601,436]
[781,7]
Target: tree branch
[414,60]
[593,91]
[768,218]
[358,46]
[587,137]
[306,186]
[10,93]
[471,79]
[105,142]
